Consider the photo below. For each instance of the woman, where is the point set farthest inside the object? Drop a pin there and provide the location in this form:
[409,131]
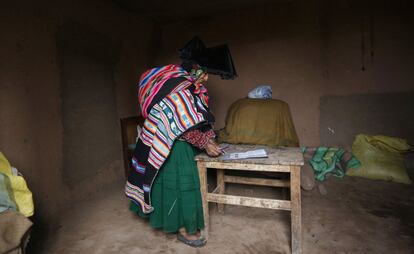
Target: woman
[164,185]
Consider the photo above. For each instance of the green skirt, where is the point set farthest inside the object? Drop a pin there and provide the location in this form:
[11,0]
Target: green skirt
[175,194]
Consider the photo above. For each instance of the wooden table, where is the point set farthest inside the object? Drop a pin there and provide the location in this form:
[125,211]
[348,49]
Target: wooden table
[286,160]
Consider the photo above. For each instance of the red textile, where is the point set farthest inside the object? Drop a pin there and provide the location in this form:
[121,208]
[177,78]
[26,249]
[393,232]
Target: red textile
[197,138]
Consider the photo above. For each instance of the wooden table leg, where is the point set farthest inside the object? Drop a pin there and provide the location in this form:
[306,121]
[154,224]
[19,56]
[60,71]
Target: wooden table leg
[296,209]
[202,172]
[285,191]
[221,184]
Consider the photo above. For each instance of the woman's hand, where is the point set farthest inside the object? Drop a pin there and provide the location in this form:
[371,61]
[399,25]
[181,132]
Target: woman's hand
[212,148]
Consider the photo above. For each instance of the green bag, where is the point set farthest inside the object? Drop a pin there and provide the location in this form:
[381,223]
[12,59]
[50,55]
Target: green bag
[381,158]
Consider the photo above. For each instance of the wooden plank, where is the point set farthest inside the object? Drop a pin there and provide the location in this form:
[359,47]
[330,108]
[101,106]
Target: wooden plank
[248,167]
[296,210]
[202,172]
[216,190]
[221,183]
[257,181]
[248,201]
[280,155]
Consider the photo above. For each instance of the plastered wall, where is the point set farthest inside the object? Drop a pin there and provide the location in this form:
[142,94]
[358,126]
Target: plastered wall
[305,50]
[369,84]
[31,95]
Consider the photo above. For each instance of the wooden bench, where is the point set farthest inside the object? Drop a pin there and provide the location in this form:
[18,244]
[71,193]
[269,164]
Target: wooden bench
[285,160]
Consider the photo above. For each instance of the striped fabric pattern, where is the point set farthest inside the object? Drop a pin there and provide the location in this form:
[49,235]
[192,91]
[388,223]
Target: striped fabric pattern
[201,91]
[167,120]
[140,168]
[136,194]
[152,81]
[176,113]
[174,110]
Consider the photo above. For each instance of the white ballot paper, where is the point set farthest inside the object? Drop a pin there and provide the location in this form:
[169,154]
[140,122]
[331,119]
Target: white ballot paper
[259,153]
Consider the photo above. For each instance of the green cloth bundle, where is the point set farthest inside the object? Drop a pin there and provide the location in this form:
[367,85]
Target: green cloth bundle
[329,160]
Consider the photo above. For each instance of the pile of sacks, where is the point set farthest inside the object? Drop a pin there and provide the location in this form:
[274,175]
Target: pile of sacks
[16,204]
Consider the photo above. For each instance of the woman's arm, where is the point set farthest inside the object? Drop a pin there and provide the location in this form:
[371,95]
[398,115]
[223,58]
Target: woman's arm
[198,138]
[203,140]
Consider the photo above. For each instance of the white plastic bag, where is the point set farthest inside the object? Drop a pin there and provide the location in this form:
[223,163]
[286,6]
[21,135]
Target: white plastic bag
[261,92]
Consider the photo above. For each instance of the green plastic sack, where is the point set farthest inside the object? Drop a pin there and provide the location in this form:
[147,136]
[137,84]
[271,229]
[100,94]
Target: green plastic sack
[381,158]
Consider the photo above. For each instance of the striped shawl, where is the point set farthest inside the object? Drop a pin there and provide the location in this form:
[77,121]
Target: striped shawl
[172,103]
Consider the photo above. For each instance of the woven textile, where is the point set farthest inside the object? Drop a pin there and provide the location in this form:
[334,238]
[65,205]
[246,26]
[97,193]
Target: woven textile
[172,103]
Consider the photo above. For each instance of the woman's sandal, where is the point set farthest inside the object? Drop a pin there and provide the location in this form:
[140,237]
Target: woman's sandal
[200,242]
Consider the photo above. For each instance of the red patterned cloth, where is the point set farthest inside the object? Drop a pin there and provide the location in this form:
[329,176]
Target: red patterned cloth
[197,138]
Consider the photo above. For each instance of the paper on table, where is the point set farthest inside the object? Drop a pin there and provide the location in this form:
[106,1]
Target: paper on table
[259,153]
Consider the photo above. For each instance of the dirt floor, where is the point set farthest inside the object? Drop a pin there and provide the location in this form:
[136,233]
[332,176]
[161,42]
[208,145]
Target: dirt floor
[356,216]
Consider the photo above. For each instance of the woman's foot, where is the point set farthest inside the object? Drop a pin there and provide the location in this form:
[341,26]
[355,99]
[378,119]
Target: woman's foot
[193,240]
